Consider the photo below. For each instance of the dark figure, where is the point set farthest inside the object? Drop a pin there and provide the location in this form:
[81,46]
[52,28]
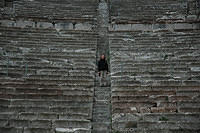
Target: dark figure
[102,66]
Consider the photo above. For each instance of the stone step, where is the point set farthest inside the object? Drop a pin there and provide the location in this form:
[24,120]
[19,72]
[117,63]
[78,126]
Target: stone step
[101,110]
[72,124]
[172,117]
[75,130]
[101,127]
[42,102]
[49,96]
[49,84]
[45,124]
[41,109]
[177,83]
[43,115]
[101,118]
[14,130]
[145,126]
[41,130]
[169,125]
[154,87]
[45,67]
[156,130]
[47,91]
[103,89]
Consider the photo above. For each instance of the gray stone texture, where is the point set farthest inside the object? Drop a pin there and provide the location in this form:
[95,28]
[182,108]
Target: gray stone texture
[48,55]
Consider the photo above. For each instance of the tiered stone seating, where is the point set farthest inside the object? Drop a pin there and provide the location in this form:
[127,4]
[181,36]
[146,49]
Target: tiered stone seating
[147,10]
[46,80]
[1,4]
[155,81]
[78,9]
[52,11]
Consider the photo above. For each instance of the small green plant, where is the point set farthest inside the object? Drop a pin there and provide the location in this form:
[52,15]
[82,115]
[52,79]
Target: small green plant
[163,119]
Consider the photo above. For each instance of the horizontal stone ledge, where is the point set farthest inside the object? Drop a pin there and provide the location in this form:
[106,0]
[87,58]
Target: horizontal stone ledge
[154,27]
[48,19]
[67,130]
[133,126]
[46,25]
[72,123]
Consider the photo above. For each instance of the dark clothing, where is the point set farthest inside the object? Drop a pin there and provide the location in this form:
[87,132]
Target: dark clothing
[102,65]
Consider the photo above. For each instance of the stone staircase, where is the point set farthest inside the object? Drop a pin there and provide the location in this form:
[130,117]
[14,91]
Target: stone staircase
[102,109]
[101,122]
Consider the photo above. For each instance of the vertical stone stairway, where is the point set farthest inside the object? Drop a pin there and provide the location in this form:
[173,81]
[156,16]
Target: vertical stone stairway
[101,122]
[102,107]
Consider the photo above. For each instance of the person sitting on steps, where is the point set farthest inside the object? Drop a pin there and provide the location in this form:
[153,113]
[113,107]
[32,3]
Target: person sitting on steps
[102,66]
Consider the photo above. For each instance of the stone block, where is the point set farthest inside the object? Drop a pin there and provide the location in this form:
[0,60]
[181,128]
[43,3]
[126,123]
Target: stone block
[4,102]
[158,125]
[72,124]
[189,104]
[65,116]
[24,23]
[64,26]
[19,123]
[27,116]
[179,98]
[8,115]
[44,25]
[189,109]
[191,17]
[72,130]
[163,109]
[145,110]
[11,130]
[38,130]
[7,23]
[49,116]
[36,109]
[83,26]
[3,123]
[40,124]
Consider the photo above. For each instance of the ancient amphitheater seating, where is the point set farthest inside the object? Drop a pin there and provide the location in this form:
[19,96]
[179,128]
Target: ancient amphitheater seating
[46,80]
[155,81]
[143,10]
[59,9]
